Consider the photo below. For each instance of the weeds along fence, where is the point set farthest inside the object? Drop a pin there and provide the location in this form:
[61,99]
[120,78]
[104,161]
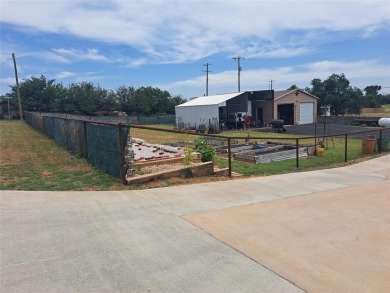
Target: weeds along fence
[101,143]
[243,154]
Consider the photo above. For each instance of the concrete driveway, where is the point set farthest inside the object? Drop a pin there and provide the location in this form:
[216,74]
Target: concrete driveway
[319,231]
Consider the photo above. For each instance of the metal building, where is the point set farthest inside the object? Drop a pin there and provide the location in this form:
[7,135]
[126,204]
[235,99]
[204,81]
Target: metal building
[227,110]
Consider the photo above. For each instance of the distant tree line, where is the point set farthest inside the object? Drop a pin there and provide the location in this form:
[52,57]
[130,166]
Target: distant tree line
[86,98]
[341,98]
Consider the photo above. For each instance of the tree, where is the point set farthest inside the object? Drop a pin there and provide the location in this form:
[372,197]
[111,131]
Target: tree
[372,89]
[142,103]
[337,93]
[126,99]
[86,98]
[174,101]
[40,94]
[385,99]
[83,98]
[107,101]
[372,98]
[293,87]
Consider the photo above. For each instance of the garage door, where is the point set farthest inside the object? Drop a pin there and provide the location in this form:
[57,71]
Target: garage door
[306,113]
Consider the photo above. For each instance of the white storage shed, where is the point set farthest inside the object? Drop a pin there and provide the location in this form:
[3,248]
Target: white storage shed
[208,109]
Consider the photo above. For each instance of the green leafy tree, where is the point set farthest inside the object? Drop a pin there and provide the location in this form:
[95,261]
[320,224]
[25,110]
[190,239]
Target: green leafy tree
[40,94]
[174,101]
[158,99]
[385,99]
[107,101]
[142,103]
[293,87]
[372,89]
[337,93]
[86,98]
[372,98]
[126,99]
[83,98]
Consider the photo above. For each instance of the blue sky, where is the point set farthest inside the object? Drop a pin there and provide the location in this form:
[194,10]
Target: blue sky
[165,43]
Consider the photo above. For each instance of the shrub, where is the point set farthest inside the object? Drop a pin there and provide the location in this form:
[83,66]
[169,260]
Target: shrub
[207,152]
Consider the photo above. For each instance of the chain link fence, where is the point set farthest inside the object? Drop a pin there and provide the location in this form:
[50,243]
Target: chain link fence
[259,153]
[101,143]
[105,144]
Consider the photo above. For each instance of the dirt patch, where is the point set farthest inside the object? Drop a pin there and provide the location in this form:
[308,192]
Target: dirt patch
[9,158]
[46,173]
[77,168]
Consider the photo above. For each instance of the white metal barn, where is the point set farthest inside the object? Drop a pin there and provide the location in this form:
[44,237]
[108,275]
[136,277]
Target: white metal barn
[209,110]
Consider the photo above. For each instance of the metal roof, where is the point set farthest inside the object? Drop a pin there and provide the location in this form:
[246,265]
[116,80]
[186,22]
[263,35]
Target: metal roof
[210,100]
[280,94]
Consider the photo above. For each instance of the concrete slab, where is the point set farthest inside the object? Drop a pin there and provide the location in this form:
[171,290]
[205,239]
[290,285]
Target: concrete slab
[59,242]
[334,241]
[138,241]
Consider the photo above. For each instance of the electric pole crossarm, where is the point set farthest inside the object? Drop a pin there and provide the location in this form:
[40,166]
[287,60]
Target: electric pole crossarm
[270,84]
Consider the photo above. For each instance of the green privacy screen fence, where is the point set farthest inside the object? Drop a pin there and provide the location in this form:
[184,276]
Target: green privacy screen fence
[104,147]
[101,143]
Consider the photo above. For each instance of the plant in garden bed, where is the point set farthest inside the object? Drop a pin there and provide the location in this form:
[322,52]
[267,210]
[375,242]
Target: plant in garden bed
[187,156]
[207,152]
[189,173]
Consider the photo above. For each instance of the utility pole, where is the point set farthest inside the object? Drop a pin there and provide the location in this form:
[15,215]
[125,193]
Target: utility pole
[270,84]
[239,69]
[17,88]
[207,77]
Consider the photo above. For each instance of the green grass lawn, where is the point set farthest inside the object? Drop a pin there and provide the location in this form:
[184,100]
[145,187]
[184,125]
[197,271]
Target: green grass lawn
[334,156]
[31,161]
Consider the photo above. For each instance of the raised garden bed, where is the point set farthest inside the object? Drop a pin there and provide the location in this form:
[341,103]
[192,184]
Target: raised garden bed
[269,152]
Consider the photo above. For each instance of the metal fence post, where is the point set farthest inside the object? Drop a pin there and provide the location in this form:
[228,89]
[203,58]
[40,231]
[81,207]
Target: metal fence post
[85,140]
[297,152]
[122,153]
[346,148]
[229,158]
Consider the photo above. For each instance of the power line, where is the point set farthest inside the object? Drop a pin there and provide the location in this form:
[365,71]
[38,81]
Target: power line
[247,82]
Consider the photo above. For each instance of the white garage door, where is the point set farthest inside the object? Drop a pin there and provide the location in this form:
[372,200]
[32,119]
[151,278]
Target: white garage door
[306,113]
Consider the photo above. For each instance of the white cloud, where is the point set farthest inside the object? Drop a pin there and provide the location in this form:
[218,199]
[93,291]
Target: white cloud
[46,56]
[77,54]
[180,31]
[360,74]
[7,81]
[64,74]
